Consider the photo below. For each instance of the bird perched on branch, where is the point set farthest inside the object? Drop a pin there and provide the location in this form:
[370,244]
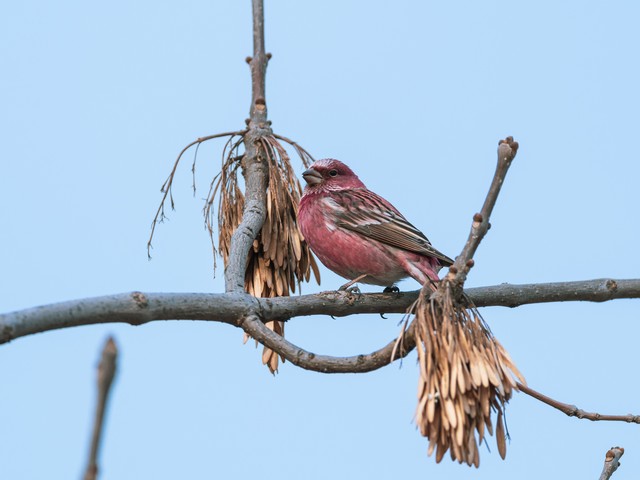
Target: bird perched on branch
[357,233]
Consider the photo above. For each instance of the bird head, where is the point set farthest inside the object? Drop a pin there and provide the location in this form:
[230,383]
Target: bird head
[330,174]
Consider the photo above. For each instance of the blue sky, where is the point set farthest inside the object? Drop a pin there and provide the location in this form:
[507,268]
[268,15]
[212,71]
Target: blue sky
[97,100]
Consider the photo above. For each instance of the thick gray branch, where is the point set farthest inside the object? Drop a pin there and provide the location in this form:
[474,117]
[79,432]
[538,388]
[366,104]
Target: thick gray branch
[255,211]
[138,308]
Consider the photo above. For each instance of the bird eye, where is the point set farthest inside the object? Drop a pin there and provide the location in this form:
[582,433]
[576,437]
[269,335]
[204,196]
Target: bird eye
[333,173]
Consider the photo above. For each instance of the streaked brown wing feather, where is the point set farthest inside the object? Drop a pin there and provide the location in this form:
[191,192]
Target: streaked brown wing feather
[369,214]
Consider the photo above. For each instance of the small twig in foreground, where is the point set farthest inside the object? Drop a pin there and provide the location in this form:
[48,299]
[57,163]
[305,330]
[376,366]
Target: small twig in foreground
[611,462]
[573,411]
[106,372]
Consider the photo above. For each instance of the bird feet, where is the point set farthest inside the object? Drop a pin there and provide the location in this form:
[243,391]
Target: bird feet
[348,286]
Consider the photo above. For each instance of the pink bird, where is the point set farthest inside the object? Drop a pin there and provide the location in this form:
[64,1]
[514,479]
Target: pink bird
[357,233]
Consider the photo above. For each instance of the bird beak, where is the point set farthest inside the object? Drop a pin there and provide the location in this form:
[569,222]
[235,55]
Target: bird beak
[312,177]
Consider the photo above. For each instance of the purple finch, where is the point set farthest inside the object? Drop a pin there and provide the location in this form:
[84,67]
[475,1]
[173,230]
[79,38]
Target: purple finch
[355,232]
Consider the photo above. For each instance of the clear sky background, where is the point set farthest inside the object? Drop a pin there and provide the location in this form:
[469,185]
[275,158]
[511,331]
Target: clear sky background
[96,100]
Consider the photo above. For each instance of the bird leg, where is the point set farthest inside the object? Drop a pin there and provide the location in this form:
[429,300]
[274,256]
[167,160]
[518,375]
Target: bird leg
[348,284]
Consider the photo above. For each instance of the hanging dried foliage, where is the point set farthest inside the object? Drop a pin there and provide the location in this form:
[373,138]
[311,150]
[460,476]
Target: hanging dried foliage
[465,375]
[280,258]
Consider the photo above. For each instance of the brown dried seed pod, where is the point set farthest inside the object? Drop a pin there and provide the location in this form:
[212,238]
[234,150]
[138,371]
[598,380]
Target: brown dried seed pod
[480,428]
[500,436]
[431,402]
[459,358]
[441,449]
[444,381]
[453,384]
[450,410]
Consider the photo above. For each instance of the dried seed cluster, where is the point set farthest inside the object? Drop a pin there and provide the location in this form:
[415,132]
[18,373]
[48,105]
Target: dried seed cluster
[280,258]
[465,374]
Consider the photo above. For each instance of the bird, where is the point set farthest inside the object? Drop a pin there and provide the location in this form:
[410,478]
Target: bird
[358,234]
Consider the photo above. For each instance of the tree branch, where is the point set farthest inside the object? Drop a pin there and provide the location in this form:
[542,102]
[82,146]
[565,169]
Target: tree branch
[138,308]
[254,169]
[325,363]
[611,462]
[247,312]
[106,372]
[573,411]
[507,150]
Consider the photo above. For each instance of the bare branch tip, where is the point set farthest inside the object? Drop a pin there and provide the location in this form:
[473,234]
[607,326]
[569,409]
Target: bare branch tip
[507,149]
[110,346]
[611,453]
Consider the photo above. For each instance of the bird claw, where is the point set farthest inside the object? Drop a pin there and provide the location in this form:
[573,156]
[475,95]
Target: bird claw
[382,316]
[347,286]
[350,289]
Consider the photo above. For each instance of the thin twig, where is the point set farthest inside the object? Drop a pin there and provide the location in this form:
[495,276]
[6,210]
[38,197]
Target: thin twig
[166,188]
[507,150]
[106,372]
[306,157]
[573,411]
[324,363]
[611,462]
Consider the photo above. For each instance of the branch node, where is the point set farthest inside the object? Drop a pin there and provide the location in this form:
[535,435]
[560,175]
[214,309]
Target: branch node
[140,299]
[611,285]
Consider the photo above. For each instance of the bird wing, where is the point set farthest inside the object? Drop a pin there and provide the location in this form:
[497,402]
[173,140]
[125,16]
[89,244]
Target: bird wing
[367,213]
